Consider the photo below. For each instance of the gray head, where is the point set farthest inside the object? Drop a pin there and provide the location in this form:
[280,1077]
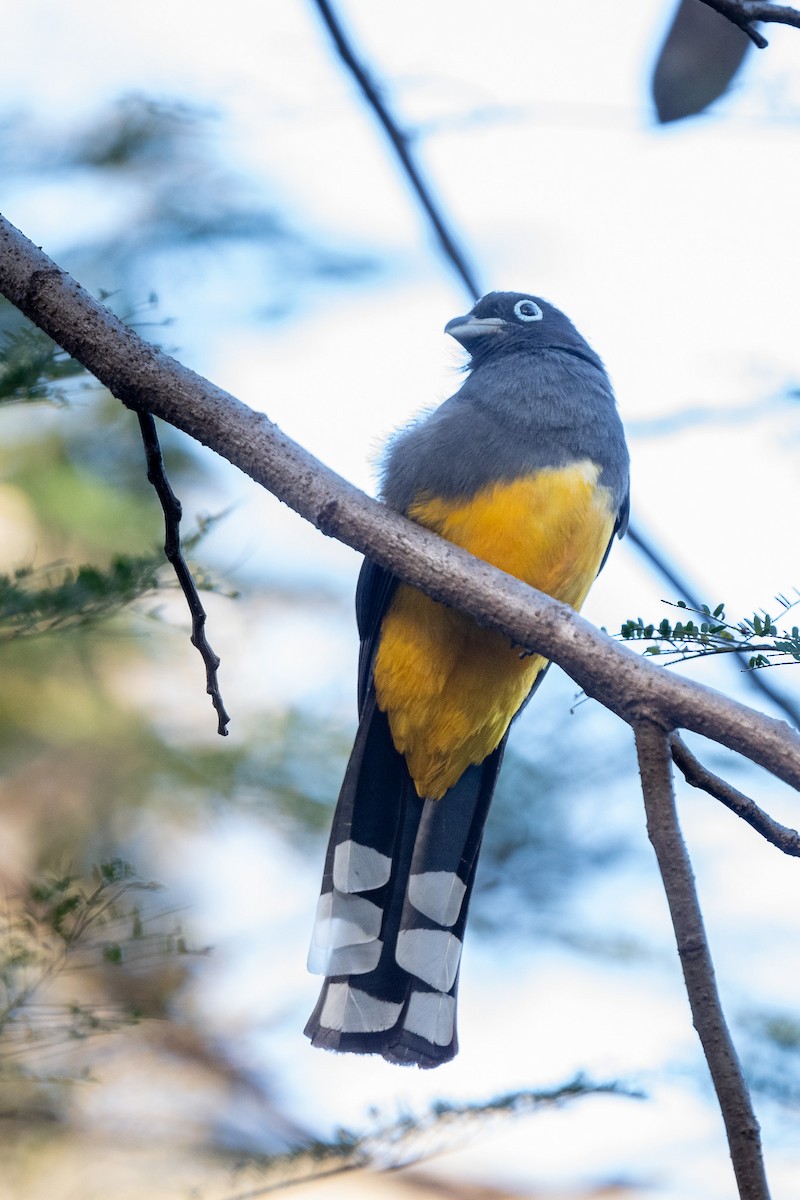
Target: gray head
[515,322]
[536,396]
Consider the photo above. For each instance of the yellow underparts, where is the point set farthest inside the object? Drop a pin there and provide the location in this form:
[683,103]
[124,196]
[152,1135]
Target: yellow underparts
[450,688]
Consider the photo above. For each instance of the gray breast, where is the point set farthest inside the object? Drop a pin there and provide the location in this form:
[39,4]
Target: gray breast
[510,418]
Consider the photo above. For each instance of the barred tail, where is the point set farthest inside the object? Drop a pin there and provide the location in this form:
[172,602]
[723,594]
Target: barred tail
[395,892]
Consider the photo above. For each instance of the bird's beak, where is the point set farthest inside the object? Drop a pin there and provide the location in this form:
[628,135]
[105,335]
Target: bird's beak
[464,329]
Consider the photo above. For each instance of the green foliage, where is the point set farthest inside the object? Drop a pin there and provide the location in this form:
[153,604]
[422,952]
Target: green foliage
[61,922]
[770,1041]
[782,1030]
[60,598]
[36,602]
[31,365]
[757,636]
[69,906]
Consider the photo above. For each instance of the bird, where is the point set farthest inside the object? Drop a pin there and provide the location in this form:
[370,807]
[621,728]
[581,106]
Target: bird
[526,467]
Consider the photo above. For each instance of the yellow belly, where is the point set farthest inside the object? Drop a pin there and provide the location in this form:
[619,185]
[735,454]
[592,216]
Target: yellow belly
[449,687]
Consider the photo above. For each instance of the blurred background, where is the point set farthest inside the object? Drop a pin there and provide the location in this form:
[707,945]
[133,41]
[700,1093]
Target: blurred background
[217,176]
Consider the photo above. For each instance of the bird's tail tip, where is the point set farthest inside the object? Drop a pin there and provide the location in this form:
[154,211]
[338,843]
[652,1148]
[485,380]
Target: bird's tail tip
[403,1052]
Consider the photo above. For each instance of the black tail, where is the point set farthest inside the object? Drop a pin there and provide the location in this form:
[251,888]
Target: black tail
[395,893]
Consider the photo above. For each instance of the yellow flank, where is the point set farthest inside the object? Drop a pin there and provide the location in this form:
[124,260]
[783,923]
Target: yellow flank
[449,687]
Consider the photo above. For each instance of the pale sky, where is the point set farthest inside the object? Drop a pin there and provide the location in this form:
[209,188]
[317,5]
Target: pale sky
[675,253]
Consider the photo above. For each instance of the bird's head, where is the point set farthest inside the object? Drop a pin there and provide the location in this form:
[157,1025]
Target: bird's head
[515,321]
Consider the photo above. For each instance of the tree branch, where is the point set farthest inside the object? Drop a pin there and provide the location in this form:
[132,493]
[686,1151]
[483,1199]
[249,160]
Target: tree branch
[400,144]
[699,776]
[171,507]
[146,379]
[744,12]
[741,1126]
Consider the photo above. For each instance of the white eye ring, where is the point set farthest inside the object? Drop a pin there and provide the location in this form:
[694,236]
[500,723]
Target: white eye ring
[527,310]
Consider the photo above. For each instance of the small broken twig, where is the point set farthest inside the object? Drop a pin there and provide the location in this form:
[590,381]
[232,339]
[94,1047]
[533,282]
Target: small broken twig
[171,506]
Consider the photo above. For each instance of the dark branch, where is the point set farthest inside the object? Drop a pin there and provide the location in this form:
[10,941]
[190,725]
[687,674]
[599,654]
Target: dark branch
[741,1126]
[171,505]
[281,1185]
[744,12]
[400,142]
[699,776]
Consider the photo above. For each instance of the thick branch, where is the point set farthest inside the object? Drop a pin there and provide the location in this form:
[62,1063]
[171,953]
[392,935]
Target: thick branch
[146,379]
[741,1126]
[699,776]
[744,12]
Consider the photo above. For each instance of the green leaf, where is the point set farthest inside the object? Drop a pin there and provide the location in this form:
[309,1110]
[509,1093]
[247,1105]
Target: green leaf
[116,870]
[39,602]
[30,363]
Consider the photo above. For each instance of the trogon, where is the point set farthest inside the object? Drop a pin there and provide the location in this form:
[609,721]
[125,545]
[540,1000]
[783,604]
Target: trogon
[526,467]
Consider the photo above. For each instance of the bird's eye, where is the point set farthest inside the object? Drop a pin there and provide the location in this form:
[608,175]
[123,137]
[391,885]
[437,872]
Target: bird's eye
[527,310]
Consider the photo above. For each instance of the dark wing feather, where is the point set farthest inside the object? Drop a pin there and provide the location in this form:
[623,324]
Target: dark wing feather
[620,528]
[374,592]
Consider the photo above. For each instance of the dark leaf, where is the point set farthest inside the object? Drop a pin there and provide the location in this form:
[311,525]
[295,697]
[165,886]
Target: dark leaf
[700,56]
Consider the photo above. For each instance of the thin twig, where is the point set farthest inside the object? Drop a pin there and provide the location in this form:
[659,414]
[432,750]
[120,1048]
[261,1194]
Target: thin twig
[403,1143]
[171,505]
[741,1126]
[699,776]
[400,142]
[743,12]
[281,1185]
[686,592]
